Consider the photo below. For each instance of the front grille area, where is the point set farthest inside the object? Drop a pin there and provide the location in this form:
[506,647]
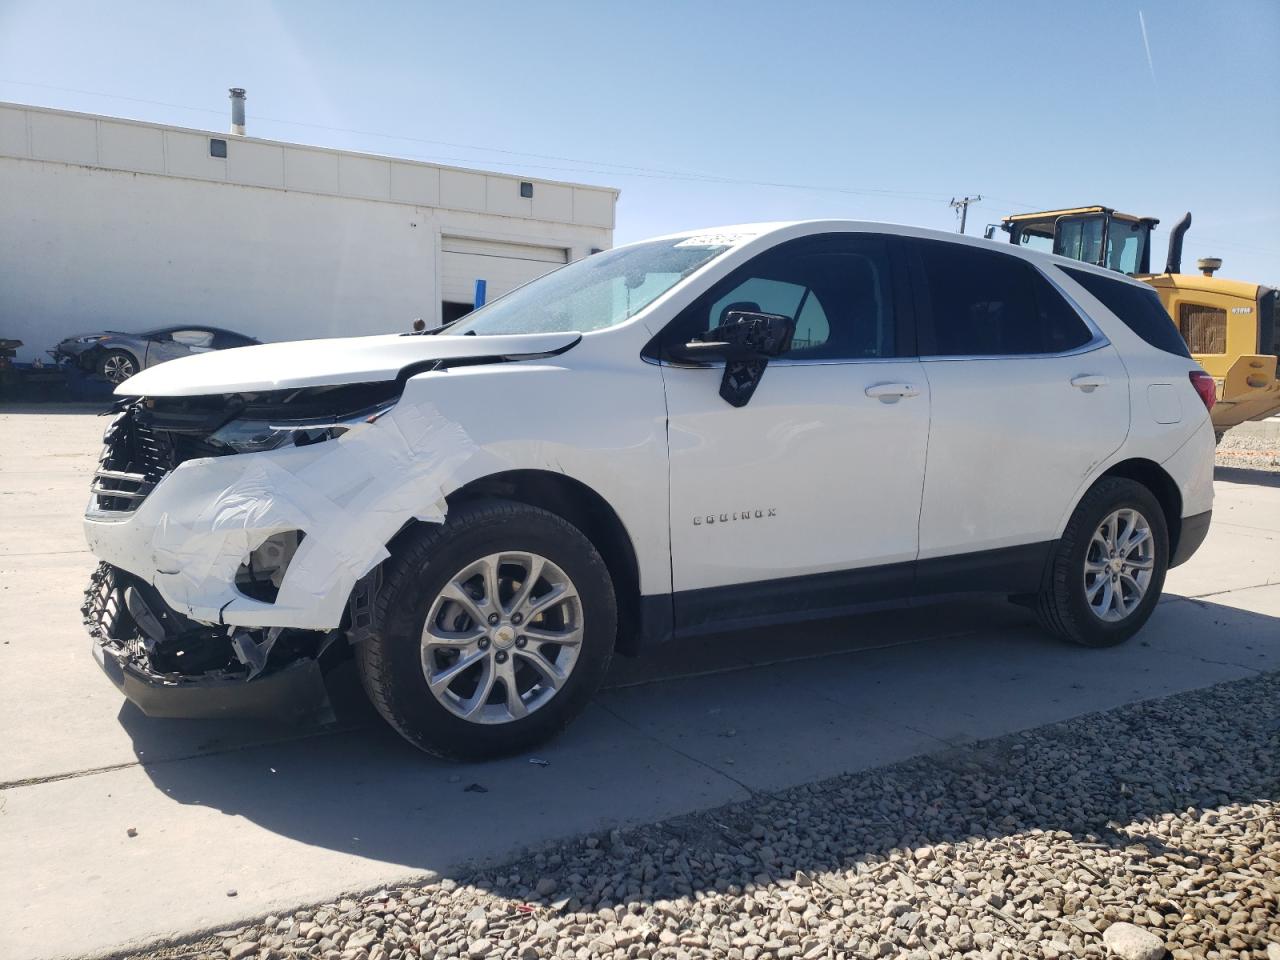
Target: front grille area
[135,457]
[148,439]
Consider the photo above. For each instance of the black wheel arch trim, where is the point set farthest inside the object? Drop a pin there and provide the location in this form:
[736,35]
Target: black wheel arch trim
[1193,531]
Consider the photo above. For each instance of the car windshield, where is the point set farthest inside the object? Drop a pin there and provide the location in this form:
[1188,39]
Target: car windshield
[597,292]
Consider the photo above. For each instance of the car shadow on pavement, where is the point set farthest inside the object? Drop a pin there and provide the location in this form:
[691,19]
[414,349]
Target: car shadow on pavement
[653,750]
[1247,475]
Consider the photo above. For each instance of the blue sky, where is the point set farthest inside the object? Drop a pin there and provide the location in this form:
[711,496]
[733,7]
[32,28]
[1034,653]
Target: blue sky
[697,111]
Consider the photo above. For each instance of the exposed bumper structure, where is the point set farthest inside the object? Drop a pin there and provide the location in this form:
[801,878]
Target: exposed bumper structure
[169,666]
[297,692]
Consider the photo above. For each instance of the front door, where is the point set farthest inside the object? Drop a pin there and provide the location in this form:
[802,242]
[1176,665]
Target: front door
[807,498]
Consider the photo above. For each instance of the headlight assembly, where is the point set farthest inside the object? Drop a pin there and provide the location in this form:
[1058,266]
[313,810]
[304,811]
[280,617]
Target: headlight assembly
[254,435]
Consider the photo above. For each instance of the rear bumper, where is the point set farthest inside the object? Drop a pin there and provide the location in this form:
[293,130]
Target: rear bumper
[1194,530]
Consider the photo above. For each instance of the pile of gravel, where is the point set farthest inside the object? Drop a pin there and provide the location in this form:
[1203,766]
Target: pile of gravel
[1146,829]
[1252,451]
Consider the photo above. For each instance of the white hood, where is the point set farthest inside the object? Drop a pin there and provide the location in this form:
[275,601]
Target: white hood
[323,363]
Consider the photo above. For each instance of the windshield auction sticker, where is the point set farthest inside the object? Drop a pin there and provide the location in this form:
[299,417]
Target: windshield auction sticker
[713,240]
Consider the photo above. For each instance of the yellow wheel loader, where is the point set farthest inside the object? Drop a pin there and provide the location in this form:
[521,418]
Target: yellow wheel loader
[1232,327]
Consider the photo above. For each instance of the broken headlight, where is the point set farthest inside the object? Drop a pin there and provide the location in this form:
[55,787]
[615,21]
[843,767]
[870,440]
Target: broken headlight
[254,435]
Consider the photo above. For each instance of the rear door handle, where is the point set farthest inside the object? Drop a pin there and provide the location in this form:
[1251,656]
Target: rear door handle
[1089,382]
[892,392]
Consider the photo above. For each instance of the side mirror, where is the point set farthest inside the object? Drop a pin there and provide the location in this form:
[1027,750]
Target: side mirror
[745,342]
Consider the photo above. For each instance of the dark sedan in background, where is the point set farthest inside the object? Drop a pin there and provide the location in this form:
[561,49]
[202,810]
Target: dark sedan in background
[117,356]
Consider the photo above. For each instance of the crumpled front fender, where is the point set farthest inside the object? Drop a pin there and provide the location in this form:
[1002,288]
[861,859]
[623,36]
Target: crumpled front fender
[349,495]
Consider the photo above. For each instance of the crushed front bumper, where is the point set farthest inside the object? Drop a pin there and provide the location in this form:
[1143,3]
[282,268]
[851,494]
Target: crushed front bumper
[295,693]
[143,663]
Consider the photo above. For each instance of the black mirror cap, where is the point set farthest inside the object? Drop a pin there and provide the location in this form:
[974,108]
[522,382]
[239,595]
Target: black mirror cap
[744,335]
[745,342]
[761,334]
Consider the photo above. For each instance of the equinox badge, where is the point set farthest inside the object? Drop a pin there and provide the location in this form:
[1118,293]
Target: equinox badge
[736,515]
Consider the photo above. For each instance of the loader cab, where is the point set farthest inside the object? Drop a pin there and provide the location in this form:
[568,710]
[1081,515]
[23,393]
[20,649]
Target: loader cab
[1097,235]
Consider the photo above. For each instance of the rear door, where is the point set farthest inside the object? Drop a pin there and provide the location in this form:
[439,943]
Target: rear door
[807,497]
[1027,398]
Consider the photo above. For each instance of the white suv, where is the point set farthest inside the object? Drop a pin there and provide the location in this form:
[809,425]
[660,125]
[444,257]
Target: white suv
[738,426]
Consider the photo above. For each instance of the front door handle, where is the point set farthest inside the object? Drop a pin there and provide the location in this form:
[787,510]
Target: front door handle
[1089,382]
[892,392]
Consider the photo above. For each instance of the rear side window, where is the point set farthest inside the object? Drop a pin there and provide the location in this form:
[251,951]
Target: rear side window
[989,304]
[1138,307]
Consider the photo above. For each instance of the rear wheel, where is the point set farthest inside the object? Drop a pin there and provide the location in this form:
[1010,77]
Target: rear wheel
[491,631]
[1108,569]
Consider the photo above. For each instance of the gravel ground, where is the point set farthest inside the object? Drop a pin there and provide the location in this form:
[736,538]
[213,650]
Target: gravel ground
[1151,828]
[1241,449]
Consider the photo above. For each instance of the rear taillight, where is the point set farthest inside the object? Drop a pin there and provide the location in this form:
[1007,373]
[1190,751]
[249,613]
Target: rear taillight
[1205,387]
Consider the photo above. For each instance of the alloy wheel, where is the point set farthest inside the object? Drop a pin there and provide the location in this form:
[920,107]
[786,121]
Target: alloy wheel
[118,368]
[1119,564]
[501,638]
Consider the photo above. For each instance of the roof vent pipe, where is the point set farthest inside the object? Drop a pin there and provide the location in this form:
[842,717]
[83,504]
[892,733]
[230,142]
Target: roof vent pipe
[1174,263]
[237,111]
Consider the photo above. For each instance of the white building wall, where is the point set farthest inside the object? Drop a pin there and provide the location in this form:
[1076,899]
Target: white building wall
[124,225]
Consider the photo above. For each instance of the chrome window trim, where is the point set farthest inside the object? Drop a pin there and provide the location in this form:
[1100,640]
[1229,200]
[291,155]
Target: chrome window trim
[836,361]
[1097,343]
[783,362]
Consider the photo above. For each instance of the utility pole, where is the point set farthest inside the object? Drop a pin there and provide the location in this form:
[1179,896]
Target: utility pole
[962,208]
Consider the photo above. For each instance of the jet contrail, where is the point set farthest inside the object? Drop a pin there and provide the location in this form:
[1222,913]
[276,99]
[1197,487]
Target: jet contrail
[1145,43]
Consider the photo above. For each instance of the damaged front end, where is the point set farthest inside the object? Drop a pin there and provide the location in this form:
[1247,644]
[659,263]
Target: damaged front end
[238,534]
[171,666]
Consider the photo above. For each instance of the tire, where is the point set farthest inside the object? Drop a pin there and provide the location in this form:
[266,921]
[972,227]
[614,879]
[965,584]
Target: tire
[117,366]
[1064,607]
[419,581]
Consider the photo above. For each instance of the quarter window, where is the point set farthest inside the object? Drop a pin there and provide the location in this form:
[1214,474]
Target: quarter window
[989,304]
[837,287]
[1137,307]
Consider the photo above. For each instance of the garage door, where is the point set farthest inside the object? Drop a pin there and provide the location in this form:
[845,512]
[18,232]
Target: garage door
[504,266]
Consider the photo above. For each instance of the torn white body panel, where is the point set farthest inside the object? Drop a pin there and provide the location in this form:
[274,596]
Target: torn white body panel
[348,496]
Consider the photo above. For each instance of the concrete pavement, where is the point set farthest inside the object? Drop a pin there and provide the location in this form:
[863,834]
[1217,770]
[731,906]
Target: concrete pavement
[285,816]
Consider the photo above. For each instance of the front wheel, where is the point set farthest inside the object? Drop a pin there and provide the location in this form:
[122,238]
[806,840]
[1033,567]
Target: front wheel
[491,632]
[1108,569]
[117,366]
